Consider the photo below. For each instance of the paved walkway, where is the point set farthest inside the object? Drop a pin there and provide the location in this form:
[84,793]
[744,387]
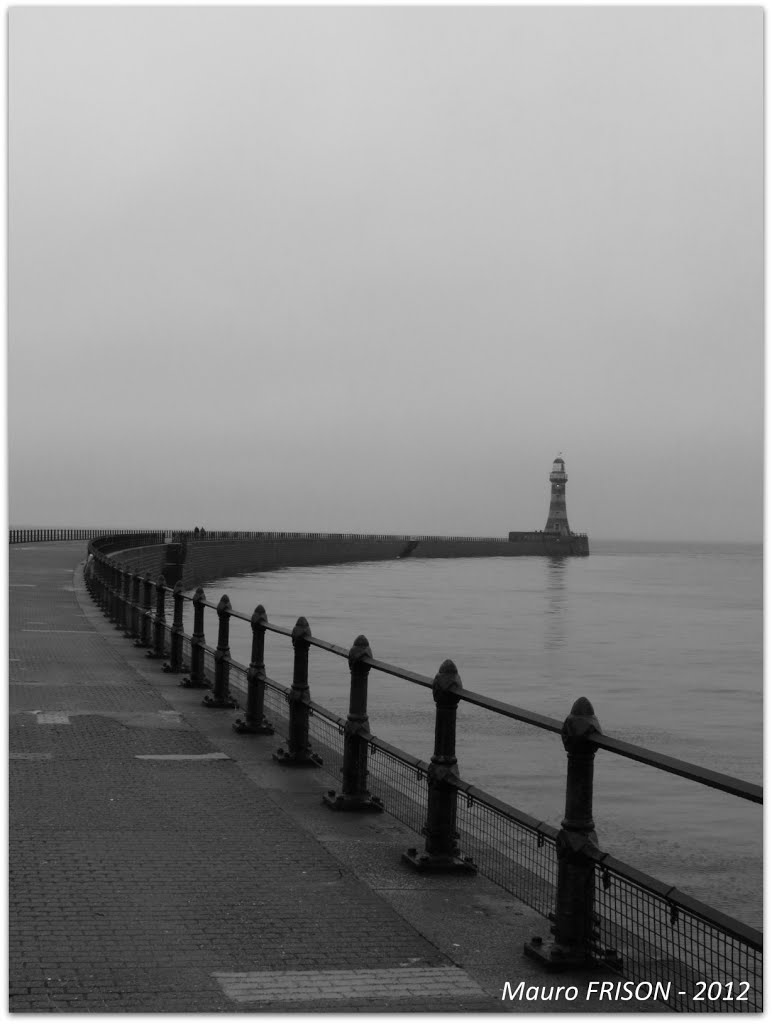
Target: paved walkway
[159,862]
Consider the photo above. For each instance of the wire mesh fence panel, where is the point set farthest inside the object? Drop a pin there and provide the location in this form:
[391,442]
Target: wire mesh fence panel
[703,966]
[209,653]
[401,787]
[276,706]
[517,858]
[237,681]
[326,738]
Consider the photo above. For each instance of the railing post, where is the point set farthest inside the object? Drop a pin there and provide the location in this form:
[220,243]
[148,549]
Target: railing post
[147,602]
[197,680]
[175,656]
[102,589]
[110,605]
[94,577]
[442,851]
[299,697]
[88,575]
[132,623]
[574,944]
[123,598]
[115,585]
[254,721]
[100,584]
[115,593]
[159,626]
[221,697]
[354,795]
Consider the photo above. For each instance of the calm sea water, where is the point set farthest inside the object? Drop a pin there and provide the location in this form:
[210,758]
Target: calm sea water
[665,641]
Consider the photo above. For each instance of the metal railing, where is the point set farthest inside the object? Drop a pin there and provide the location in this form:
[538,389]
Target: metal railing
[26,535]
[636,925]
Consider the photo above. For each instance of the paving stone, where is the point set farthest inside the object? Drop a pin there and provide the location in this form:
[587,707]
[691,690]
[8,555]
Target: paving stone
[141,860]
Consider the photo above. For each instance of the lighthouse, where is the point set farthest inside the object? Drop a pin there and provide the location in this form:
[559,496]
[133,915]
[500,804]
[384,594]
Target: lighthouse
[557,520]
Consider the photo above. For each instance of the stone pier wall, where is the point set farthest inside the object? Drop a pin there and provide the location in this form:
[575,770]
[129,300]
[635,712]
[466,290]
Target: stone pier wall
[200,561]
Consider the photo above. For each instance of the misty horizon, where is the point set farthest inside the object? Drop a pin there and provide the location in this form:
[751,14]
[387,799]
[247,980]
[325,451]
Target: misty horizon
[371,269]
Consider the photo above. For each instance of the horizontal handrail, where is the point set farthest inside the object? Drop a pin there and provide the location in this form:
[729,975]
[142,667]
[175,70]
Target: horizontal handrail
[663,762]
[673,765]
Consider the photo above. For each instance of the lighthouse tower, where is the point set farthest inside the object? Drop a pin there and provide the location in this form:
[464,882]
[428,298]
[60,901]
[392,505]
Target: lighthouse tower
[557,520]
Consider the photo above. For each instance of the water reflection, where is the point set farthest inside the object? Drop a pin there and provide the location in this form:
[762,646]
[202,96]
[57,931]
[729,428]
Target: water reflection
[556,628]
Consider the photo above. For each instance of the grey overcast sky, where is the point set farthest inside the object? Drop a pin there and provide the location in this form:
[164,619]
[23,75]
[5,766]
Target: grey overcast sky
[371,269]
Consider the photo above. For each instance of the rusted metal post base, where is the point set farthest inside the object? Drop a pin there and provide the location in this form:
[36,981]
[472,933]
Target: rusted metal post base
[226,702]
[554,958]
[354,803]
[189,683]
[263,728]
[297,758]
[439,863]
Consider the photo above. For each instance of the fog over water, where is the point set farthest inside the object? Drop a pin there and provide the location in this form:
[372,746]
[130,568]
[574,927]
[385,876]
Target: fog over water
[371,268]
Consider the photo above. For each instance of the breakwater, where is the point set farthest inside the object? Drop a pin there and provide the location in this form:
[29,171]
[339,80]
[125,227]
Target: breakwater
[197,559]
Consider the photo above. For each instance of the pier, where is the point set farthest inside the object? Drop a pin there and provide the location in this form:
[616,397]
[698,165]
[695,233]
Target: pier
[183,865]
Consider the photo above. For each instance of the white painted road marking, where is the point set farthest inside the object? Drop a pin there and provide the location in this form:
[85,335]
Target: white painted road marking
[183,757]
[379,983]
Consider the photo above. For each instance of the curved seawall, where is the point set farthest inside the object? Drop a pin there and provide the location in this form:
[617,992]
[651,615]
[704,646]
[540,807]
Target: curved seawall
[197,560]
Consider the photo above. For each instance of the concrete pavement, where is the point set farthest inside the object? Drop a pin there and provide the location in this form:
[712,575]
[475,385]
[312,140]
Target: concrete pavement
[160,862]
